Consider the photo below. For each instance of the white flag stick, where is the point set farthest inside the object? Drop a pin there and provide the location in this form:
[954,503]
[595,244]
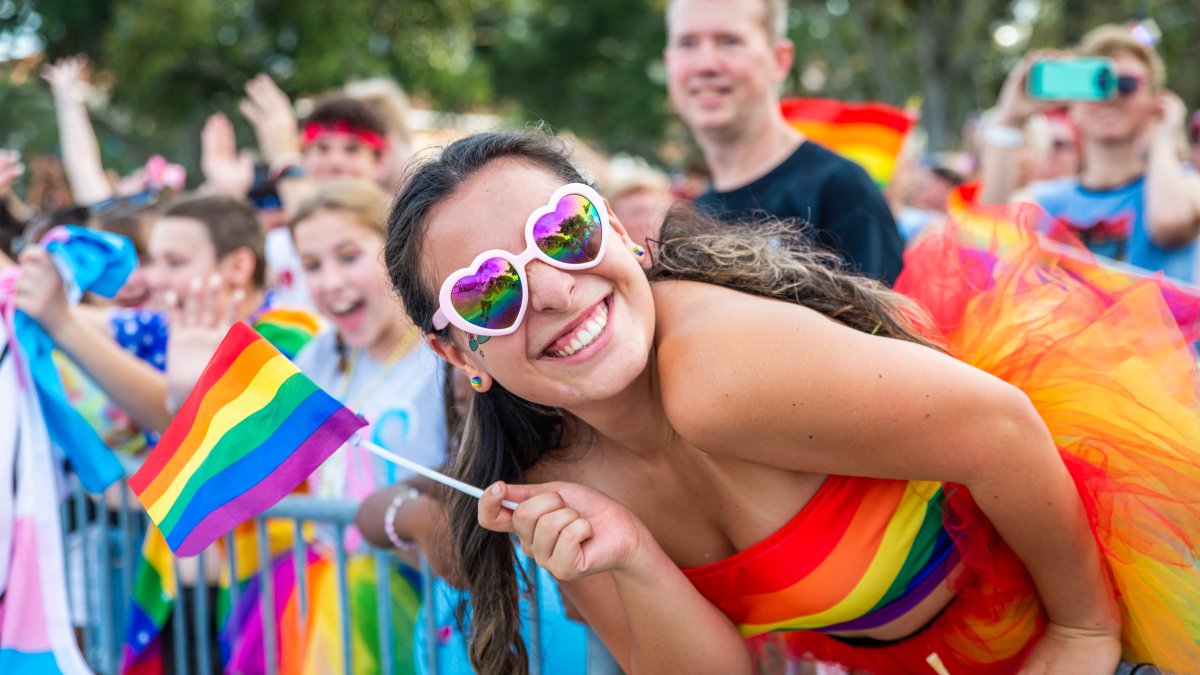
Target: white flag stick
[424,471]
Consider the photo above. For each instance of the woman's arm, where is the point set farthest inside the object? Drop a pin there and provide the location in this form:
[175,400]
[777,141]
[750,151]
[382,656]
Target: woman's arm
[134,385]
[820,397]
[421,520]
[636,599]
[80,151]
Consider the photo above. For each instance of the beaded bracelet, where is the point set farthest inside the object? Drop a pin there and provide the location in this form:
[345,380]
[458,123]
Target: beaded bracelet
[389,519]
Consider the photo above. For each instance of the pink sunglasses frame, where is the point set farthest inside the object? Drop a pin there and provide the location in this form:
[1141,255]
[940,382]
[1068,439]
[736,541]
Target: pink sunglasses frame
[446,314]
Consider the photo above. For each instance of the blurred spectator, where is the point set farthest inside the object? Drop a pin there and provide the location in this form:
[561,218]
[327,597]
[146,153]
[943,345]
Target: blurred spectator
[931,184]
[639,196]
[1132,200]
[1056,149]
[725,62]
[48,188]
[387,100]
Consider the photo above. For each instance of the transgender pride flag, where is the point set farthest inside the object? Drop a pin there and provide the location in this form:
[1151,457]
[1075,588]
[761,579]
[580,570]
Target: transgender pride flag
[35,624]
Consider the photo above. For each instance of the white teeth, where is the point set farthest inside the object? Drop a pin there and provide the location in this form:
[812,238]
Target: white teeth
[587,334]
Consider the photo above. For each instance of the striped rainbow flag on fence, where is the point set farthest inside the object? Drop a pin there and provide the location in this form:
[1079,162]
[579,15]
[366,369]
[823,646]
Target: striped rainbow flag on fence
[870,134]
[253,428]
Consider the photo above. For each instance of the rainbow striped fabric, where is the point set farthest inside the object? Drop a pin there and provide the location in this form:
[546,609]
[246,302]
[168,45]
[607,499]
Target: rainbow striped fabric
[862,553]
[253,428]
[289,329]
[870,134]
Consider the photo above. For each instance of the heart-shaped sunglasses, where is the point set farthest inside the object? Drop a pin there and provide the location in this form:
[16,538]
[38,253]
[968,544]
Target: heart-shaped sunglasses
[490,296]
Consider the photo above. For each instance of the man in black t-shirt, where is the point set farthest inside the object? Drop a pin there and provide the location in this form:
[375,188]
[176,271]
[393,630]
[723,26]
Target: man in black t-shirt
[725,60]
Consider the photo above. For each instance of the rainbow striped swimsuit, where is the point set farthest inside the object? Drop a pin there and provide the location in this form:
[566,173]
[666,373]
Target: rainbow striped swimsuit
[862,553]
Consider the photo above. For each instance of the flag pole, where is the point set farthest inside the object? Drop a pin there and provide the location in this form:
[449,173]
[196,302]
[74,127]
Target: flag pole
[436,476]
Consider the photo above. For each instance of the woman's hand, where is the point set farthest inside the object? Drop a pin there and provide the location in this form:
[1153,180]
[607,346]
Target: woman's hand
[40,292]
[571,530]
[1072,650]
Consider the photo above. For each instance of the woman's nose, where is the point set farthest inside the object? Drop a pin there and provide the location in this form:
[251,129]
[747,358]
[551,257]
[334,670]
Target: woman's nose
[550,289]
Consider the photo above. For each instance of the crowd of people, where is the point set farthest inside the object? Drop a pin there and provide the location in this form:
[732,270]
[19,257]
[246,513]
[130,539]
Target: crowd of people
[790,416]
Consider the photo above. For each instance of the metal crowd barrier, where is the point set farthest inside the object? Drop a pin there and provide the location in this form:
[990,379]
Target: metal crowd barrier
[109,539]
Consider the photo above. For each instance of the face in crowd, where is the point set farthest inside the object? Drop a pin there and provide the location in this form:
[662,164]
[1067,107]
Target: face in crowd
[533,362]
[180,251]
[341,155]
[343,266]
[723,65]
[1129,114]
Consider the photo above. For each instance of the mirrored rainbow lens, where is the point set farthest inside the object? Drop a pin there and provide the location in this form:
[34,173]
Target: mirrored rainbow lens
[571,233]
[490,298]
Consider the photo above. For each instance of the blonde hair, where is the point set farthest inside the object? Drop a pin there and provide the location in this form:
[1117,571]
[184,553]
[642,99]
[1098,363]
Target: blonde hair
[362,200]
[1112,39]
[386,98]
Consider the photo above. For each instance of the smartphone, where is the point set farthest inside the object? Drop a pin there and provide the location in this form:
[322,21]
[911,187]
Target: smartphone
[1074,79]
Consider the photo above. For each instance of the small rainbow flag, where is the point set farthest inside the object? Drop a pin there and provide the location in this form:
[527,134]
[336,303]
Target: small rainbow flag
[252,429]
[870,134]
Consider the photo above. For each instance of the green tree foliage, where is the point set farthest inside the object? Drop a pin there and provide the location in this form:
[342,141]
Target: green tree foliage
[591,67]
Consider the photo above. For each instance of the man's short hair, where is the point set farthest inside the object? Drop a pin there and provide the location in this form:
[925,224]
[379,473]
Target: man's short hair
[1112,39]
[343,110]
[231,225]
[775,19]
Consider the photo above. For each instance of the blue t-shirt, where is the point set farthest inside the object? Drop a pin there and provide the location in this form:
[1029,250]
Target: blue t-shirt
[1112,223]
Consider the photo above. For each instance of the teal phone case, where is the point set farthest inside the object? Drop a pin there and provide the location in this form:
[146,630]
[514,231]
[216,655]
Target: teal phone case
[1081,79]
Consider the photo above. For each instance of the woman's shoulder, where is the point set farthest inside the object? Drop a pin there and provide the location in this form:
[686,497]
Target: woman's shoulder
[691,318]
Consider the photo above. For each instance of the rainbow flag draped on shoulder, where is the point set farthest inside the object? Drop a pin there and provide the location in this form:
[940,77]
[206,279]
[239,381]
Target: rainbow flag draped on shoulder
[870,134]
[253,428]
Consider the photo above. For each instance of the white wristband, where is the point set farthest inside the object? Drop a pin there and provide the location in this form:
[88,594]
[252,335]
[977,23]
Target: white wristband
[1001,136]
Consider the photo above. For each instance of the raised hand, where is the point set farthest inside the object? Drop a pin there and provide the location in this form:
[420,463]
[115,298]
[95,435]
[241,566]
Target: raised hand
[66,77]
[571,530]
[226,171]
[1172,112]
[270,113]
[198,321]
[11,169]
[1014,105]
[40,291]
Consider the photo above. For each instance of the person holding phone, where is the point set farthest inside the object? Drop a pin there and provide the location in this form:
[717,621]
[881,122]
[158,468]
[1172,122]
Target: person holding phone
[1133,200]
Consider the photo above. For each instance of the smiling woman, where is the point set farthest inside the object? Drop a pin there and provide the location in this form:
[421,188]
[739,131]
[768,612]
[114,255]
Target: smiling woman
[747,442]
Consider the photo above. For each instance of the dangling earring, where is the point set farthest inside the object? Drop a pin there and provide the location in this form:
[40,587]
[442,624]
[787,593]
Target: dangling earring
[476,381]
[638,250]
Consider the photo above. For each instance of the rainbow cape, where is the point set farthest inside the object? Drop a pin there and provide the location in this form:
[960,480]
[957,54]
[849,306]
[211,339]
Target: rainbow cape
[253,428]
[870,134]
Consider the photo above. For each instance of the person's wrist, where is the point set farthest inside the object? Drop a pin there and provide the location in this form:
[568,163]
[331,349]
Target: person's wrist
[999,134]
[389,518]
[283,161]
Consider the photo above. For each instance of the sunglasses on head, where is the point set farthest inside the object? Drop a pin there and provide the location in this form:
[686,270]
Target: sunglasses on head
[490,296]
[142,200]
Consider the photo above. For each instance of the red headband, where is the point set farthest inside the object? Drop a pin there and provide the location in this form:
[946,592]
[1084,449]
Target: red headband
[314,131]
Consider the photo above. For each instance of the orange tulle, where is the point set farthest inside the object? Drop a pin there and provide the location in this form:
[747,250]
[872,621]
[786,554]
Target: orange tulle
[1106,357]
